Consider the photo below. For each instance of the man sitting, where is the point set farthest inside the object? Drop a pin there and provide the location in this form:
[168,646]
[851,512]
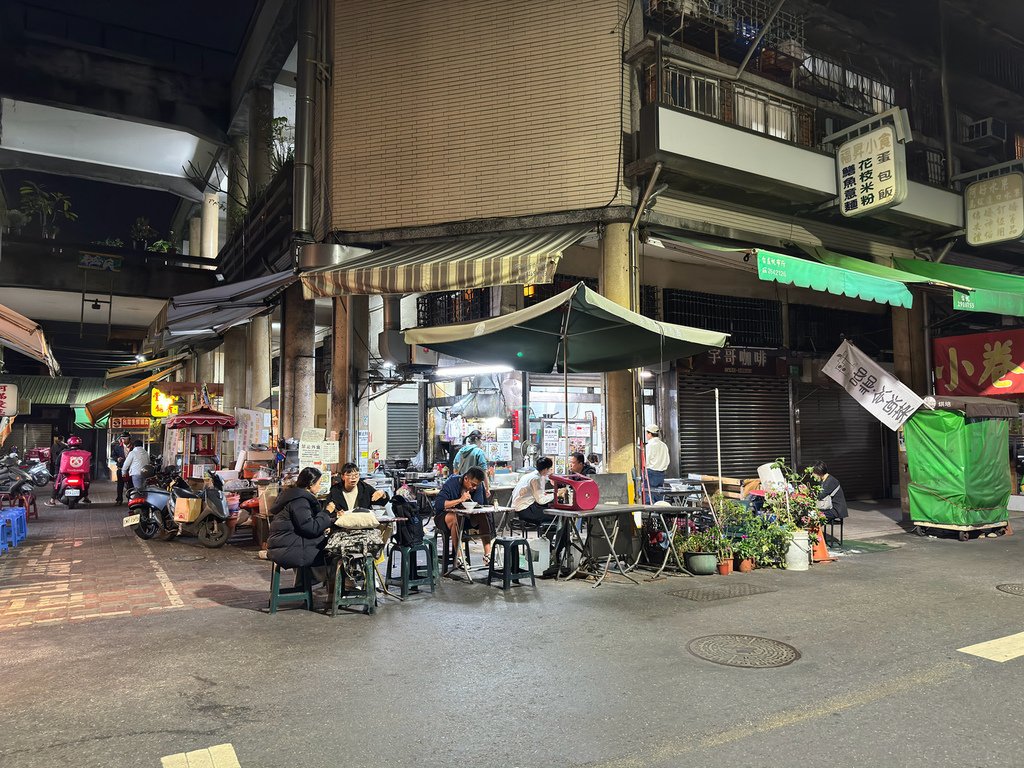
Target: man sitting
[578,465]
[352,493]
[456,490]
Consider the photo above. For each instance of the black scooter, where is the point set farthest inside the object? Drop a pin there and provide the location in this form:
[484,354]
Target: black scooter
[152,512]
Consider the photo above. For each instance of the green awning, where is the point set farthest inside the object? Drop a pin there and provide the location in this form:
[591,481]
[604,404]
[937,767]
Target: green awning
[82,420]
[995,292]
[792,270]
[874,269]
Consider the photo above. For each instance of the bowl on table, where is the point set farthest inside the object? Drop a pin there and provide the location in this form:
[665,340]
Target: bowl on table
[469,505]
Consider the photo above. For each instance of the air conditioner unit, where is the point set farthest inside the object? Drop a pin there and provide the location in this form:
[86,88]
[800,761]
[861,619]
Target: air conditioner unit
[988,133]
[422,356]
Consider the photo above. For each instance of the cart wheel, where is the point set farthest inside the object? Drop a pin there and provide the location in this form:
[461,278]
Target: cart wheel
[964,535]
[920,530]
[213,534]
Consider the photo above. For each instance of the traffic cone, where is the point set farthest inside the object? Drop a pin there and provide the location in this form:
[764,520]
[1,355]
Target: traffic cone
[819,552]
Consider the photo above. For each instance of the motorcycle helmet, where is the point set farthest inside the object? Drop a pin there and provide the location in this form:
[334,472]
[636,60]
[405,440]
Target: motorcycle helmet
[74,441]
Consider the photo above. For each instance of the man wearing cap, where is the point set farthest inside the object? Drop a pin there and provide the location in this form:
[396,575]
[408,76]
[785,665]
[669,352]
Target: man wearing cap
[118,453]
[656,460]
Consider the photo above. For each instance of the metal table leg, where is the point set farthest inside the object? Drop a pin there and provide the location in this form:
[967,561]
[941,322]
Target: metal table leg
[613,556]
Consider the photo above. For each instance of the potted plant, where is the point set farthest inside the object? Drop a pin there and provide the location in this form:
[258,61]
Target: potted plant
[725,555]
[110,242]
[744,550]
[14,220]
[142,233]
[700,551]
[160,246]
[46,206]
[792,509]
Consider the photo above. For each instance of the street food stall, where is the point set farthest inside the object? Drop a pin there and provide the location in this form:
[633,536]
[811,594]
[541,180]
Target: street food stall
[194,440]
[959,471]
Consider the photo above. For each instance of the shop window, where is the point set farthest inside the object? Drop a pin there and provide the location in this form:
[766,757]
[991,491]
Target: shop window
[819,330]
[751,322]
[764,114]
[448,307]
[534,294]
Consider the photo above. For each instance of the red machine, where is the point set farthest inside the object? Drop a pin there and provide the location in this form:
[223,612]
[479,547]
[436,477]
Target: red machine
[73,476]
[578,493]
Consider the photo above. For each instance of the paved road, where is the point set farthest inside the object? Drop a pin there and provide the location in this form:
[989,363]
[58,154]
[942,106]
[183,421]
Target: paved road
[564,675]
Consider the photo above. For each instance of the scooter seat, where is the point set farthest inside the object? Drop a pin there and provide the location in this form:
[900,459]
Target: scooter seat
[182,493]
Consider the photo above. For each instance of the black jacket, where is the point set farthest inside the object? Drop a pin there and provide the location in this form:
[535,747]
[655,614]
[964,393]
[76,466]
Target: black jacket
[831,487]
[297,529]
[364,496]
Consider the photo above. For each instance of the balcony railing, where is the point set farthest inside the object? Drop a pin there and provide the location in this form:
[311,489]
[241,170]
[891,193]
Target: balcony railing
[261,242]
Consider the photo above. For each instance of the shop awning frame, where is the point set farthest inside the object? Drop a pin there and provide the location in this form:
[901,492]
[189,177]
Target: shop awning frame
[22,335]
[994,292]
[451,265]
[146,366]
[96,409]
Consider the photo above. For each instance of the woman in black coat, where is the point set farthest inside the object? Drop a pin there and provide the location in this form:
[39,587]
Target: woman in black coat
[299,525]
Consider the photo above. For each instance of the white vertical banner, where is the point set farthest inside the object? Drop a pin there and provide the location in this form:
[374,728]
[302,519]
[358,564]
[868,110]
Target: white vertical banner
[880,392]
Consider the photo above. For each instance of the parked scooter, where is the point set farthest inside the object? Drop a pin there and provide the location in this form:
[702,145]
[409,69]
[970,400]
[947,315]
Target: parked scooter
[14,480]
[152,511]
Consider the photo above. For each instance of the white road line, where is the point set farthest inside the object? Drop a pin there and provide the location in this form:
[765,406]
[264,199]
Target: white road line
[161,576]
[220,756]
[1001,649]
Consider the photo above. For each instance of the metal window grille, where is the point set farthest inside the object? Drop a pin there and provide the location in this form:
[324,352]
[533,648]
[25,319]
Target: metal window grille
[692,92]
[764,114]
[541,291]
[819,330]
[1018,146]
[751,322]
[448,307]
[838,83]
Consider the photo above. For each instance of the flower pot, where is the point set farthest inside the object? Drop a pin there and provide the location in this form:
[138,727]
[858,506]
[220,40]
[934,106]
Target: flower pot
[725,567]
[701,563]
[798,556]
[745,565]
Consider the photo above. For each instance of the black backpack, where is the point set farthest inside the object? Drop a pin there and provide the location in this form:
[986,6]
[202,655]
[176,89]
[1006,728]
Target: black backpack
[411,531]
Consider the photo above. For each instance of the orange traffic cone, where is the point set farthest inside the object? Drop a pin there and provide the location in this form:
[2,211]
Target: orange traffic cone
[819,552]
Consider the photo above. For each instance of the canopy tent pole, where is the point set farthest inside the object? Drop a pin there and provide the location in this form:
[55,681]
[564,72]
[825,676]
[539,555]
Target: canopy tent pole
[565,378]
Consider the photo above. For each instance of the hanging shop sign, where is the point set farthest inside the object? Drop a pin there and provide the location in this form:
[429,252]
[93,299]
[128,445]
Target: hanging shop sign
[129,422]
[8,400]
[161,404]
[994,209]
[871,172]
[982,364]
[741,360]
[876,389]
[99,261]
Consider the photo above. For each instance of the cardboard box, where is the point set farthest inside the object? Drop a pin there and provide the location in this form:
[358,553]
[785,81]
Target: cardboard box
[187,510]
[267,498]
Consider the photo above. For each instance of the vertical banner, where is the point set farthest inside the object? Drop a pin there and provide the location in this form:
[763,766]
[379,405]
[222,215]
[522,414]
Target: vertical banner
[880,392]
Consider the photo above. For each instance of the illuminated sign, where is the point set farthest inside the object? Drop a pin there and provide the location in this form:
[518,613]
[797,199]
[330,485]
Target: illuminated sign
[162,405]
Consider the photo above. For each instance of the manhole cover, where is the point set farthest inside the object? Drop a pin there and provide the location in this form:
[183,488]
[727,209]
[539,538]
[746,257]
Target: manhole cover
[1012,589]
[188,558]
[747,651]
[707,594]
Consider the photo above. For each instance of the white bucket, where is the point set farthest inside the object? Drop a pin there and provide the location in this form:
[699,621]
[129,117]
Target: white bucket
[798,556]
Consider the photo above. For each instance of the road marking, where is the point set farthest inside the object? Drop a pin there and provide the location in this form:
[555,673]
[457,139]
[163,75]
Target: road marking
[161,575]
[220,756]
[670,751]
[1001,649]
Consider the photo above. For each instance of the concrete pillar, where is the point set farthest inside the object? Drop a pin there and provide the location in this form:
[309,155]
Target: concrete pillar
[910,366]
[195,236]
[235,370]
[238,182]
[190,369]
[258,357]
[359,360]
[210,224]
[261,116]
[620,400]
[204,368]
[298,375]
[339,417]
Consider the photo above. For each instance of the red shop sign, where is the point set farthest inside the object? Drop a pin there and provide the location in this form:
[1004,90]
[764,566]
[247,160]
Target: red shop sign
[984,364]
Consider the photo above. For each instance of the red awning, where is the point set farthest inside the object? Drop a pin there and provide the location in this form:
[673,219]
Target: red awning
[201,417]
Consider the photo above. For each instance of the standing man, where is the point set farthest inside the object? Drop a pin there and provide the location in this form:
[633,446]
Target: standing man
[119,452]
[135,465]
[656,462]
[472,455]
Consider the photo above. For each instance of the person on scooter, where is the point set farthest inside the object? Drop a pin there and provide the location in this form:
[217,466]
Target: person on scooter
[74,444]
[118,453]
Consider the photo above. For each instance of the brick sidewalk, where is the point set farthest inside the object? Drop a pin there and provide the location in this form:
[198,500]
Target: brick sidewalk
[81,564]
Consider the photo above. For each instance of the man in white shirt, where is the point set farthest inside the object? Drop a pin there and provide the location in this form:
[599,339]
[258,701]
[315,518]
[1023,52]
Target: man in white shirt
[656,460]
[135,463]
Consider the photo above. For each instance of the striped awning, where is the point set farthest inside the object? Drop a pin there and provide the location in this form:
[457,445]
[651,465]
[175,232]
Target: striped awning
[101,406]
[451,265]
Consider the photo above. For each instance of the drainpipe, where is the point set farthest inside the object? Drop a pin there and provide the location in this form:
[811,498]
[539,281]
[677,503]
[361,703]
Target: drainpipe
[302,194]
[947,116]
[390,343]
[929,382]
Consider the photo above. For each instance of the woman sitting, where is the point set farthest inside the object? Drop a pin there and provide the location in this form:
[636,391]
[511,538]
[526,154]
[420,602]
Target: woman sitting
[831,499]
[299,526]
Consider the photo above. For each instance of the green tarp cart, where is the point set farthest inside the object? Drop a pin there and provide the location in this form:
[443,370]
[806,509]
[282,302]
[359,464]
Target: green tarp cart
[957,454]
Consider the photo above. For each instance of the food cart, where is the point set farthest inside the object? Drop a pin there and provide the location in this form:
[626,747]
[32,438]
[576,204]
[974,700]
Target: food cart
[193,440]
[958,464]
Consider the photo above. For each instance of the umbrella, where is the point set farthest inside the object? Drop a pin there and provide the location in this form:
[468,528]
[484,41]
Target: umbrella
[25,336]
[201,417]
[579,330]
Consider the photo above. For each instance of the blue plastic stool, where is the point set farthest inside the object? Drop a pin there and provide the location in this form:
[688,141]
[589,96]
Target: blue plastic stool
[17,524]
[4,546]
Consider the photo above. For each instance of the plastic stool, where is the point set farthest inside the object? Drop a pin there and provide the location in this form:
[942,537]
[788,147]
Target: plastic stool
[342,598]
[28,501]
[410,566]
[303,592]
[14,519]
[4,546]
[447,554]
[511,551]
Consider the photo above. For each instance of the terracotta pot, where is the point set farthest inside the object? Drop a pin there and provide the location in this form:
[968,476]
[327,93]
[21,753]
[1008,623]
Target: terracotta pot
[745,566]
[724,567]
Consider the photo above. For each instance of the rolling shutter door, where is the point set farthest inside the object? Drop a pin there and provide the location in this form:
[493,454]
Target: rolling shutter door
[403,430]
[835,428]
[754,417]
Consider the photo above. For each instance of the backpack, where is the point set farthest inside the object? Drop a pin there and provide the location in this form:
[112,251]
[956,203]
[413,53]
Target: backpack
[411,531]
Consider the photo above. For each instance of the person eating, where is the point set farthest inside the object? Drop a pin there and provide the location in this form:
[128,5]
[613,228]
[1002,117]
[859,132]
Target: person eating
[456,490]
[352,493]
